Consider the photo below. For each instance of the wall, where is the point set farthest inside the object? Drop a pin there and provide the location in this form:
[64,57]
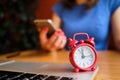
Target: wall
[44,10]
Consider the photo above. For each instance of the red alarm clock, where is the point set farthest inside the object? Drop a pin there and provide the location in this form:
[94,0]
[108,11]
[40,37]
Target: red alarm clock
[83,55]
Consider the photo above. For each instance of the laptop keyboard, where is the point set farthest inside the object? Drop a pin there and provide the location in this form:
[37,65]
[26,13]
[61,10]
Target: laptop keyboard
[10,75]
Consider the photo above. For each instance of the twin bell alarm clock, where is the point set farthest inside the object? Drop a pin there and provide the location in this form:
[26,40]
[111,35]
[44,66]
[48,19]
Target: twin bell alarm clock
[83,55]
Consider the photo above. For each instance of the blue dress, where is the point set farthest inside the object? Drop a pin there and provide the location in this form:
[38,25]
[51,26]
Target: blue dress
[95,22]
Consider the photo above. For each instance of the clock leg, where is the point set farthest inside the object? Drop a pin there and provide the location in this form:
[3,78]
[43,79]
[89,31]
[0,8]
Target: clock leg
[76,70]
[93,68]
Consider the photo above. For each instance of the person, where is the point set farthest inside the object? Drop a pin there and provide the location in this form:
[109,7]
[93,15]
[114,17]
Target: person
[98,18]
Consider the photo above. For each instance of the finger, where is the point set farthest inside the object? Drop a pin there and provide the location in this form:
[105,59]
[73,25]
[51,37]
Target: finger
[63,43]
[60,32]
[60,42]
[43,35]
[50,42]
[53,39]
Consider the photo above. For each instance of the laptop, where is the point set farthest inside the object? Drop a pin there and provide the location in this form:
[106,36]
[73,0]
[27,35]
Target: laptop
[17,70]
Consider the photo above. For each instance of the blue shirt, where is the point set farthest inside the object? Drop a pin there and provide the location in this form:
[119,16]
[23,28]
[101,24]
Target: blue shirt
[95,22]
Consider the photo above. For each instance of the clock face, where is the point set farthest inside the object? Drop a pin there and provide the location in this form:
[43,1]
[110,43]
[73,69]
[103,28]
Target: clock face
[84,56]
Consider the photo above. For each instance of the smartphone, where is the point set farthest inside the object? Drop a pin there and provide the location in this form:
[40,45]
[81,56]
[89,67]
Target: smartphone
[41,23]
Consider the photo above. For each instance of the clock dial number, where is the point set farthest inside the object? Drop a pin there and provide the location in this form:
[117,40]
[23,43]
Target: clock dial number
[84,56]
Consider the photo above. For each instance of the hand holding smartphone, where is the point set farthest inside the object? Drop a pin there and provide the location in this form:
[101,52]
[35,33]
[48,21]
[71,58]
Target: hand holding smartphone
[55,37]
[45,23]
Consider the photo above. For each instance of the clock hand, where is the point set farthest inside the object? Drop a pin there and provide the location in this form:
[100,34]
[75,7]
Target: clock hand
[83,56]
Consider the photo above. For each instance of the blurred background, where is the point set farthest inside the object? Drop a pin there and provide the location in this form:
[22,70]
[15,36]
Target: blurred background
[17,31]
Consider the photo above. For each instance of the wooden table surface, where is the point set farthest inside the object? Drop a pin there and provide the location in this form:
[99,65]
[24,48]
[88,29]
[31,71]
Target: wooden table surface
[108,61]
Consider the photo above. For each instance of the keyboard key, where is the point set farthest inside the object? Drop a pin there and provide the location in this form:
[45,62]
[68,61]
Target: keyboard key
[40,77]
[3,76]
[25,76]
[52,78]
[66,78]
[10,75]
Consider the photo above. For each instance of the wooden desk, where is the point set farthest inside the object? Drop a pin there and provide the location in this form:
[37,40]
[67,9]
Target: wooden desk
[108,61]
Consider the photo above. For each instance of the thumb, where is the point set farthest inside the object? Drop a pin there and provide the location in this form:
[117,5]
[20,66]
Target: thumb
[43,35]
